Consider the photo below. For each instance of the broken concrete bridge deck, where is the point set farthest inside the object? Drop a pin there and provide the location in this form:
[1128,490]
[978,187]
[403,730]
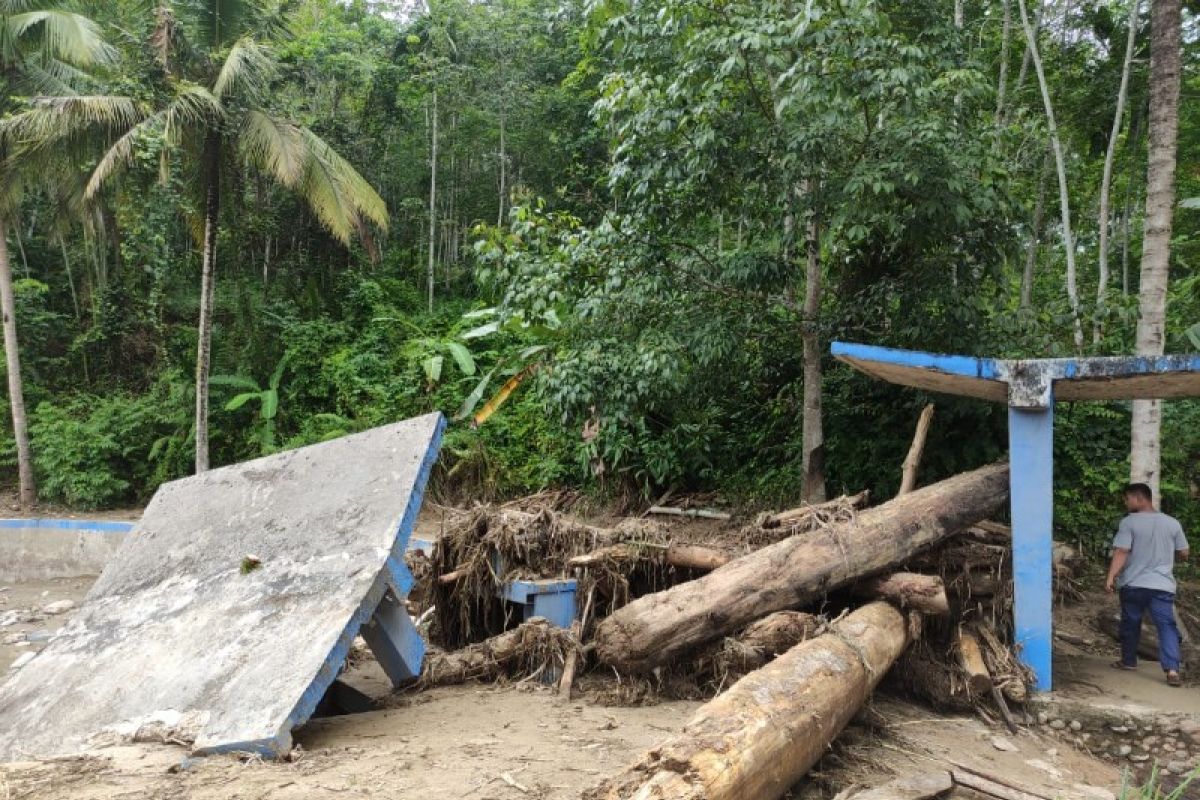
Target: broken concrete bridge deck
[179,632]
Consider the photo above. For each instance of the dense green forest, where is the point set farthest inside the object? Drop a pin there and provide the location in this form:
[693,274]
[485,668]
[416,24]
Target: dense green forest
[611,239]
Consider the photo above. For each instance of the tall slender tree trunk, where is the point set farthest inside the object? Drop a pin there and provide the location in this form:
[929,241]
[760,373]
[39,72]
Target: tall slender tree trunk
[208,262]
[433,233]
[1064,194]
[62,244]
[503,170]
[1035,239]
[1165,45]
[1103,222]
[1002,84]
[1037,29]
[813,430]
[16,394]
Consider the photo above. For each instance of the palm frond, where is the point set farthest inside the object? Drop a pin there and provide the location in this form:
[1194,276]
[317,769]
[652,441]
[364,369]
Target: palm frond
[247,68]
[119,155]
[65,35]
[274,146]
[330,176]
[54,119]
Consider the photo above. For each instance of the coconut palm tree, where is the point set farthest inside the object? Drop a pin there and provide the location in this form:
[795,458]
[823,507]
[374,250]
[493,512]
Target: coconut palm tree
[41,46]
[211,110]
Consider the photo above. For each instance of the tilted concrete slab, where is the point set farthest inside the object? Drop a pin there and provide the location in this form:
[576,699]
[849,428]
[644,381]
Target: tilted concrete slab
[176,634]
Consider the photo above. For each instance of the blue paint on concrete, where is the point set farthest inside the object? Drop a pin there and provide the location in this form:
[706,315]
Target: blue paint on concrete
[966,366]
[395,641]
[93,526]
[337,657]
[1031,452]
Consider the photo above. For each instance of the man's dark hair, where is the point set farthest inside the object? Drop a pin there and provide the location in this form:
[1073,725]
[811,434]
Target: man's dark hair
[1139,489]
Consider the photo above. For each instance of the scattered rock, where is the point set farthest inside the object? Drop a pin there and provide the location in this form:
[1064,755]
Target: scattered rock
[1139,757]
[1094,792]
[1124,750]
[1000,743]
[1076,725]
[1043,718]
[13,638]
[59,607]
[1049,769]
[1119,728]
[1057,724]
[21,661]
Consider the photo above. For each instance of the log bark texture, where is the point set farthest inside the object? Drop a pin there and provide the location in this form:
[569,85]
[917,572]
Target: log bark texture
[761,736]
[795,572]
[970,657]
[924,593]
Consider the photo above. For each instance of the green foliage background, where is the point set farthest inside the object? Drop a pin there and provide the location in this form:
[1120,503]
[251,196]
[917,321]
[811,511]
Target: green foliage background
[639,266]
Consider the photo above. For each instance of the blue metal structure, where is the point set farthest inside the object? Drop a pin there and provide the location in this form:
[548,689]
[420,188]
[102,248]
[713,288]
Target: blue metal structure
[1030,388]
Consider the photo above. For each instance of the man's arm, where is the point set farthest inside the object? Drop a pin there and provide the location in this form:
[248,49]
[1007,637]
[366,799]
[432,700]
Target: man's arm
[1120,556]
[1182,551]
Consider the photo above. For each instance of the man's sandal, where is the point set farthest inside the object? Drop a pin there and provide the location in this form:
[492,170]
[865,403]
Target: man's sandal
[1174,679]
[1122,665]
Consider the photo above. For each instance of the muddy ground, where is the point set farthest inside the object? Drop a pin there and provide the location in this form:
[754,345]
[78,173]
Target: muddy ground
[502,742]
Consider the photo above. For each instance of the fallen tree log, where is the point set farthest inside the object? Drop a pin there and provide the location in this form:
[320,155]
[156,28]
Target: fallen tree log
[762,735]
[970,657]
[795,572]
[912,787]
[794,517]
[690,556]
[754,647]
[924,593]
[530,647]
[684,556]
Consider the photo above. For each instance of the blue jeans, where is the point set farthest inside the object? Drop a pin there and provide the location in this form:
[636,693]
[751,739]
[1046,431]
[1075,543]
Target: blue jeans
[1135,601]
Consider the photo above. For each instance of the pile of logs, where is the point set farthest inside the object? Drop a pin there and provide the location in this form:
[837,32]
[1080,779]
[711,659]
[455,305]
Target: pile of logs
[801,614]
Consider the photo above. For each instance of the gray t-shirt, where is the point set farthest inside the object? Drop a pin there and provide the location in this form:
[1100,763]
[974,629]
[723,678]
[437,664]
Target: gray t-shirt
[1152,539]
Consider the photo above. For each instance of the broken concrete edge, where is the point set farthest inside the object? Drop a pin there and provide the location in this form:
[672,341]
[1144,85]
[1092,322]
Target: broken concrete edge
[394,575]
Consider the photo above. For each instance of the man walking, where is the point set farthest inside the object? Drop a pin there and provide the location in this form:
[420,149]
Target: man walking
[1145,549]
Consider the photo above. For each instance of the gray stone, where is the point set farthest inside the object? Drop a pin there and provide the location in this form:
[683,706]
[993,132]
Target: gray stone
[1122,729]
[1124,750]
[1177,767]
[1058,724]
[58,607]
[1076,725]
[175,625]
[1043,718]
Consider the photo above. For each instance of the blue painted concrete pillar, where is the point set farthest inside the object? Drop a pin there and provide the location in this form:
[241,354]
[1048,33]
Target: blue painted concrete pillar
[1031,457]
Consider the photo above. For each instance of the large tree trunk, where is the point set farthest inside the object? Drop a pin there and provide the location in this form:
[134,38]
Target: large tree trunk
[813,432]
[1156,240]
[1064,193]
[761,736]
[16,394]
[1106,181]
[208,265]
[796,572]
